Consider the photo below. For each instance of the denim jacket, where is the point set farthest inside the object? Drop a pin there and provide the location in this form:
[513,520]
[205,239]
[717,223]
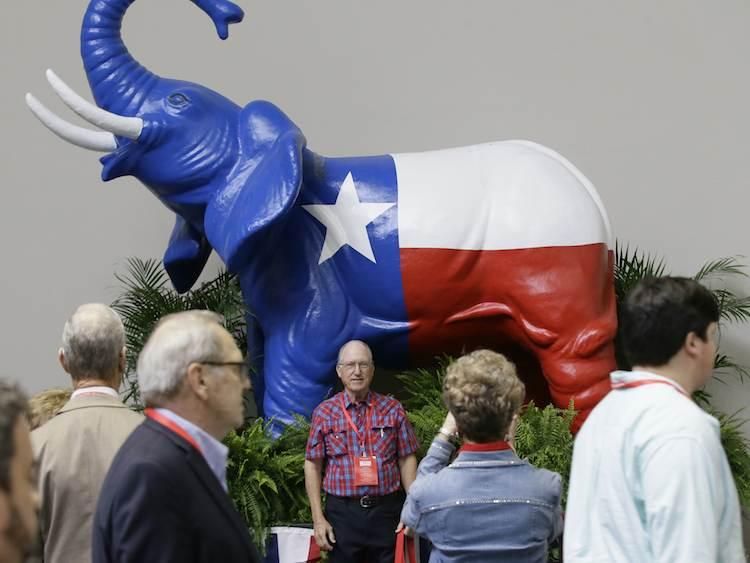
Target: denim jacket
[483,507]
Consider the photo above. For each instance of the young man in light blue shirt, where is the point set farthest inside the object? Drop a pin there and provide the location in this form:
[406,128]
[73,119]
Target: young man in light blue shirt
[650,480]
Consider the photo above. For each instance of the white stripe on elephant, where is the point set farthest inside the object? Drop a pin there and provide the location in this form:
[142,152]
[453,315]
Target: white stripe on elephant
[496,196]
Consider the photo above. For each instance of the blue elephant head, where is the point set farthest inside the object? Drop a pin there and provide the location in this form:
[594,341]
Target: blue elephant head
[200,153]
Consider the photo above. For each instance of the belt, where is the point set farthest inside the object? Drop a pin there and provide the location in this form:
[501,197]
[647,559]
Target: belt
[368,501]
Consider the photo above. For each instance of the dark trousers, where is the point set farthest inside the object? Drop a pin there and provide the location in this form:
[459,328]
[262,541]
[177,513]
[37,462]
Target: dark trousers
[364,535]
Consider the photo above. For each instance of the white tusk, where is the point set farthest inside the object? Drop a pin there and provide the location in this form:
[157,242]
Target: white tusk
[129,127]
[101,141]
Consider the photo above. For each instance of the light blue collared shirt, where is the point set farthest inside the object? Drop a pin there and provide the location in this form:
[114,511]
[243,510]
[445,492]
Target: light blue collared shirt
[650,481]
[214,452]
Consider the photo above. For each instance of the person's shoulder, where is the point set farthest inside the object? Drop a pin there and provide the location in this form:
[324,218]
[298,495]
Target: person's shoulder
[386,403]
[677,413]
[148,449]
[676,417]
[548,481]
[40,438]
[326,407]
[130,416]
[51,431]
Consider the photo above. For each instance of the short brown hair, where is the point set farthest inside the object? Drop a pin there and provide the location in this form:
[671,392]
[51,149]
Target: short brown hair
[483,392]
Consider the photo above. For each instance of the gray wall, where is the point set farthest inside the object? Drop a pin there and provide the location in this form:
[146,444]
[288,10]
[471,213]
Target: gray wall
[649,99]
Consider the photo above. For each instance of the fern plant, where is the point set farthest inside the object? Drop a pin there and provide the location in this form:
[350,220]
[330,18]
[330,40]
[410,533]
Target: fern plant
[543,437]
[147,296]
[266,478]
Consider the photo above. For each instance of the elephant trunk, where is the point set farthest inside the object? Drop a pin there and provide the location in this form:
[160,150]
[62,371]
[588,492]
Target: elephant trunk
[119,83]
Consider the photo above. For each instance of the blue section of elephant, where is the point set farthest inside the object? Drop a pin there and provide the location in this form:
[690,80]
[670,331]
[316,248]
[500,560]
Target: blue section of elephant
[236,178]
[307,310]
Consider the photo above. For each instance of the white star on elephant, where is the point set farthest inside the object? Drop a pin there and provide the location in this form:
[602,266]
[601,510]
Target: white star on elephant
[346,221]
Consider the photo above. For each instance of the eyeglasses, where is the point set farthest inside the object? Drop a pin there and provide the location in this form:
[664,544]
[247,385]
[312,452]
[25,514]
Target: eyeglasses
[242,369]
[350,366]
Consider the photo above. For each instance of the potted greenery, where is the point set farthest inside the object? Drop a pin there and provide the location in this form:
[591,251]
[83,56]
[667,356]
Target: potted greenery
[265,476]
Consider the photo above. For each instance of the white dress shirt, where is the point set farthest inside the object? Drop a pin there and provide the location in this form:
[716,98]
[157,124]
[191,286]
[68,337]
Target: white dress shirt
[650,481]
[95,390]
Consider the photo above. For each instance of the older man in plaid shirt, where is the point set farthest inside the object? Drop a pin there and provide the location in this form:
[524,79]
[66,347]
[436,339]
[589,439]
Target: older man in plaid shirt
[368,447]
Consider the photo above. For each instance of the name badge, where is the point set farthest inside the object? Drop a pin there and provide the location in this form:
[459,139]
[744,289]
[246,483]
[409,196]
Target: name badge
[365,471]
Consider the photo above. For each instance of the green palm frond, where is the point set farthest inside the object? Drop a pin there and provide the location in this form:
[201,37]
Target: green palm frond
[702,398]
[721,268]
[631,266]
[147,296]
[723,364]
[732,308]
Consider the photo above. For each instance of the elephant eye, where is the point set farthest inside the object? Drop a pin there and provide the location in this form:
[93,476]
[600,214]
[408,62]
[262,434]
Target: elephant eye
[178,100]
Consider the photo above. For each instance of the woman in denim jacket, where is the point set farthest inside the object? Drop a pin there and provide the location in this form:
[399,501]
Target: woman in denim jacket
[488,505]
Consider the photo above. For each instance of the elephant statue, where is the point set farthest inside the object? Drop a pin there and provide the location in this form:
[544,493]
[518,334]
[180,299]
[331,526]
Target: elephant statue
[501,245]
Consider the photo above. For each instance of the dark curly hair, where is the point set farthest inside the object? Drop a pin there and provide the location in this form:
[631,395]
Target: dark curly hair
[483,392]
[13,406]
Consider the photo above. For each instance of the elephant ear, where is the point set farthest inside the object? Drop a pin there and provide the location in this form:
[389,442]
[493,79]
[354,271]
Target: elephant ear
[262,187]
[186,255]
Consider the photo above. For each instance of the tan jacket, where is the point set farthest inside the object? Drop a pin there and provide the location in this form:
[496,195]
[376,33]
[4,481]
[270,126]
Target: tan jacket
[74,450]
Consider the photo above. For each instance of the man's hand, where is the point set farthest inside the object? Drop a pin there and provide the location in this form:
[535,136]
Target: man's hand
[324,534]
[408,532]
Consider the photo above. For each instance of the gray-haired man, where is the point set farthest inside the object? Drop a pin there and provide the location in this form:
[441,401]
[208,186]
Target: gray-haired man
[165,497]
[75,448]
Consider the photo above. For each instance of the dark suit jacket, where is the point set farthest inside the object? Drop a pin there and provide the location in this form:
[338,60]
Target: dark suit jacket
[160,503]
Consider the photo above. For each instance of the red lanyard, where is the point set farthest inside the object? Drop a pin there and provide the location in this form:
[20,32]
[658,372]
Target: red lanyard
[363,440]
[486,447]
[173,426]
[638,383]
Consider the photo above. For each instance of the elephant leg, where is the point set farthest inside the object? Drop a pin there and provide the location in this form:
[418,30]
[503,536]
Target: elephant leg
[578,370]
[297,378]
[255,358]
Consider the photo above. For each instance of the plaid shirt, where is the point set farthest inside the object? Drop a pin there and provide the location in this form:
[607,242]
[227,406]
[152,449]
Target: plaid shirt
[331,438]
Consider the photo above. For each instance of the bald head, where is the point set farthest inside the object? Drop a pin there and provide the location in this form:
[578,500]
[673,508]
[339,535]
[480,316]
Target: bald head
[354,345]
[93,343]
[177,341]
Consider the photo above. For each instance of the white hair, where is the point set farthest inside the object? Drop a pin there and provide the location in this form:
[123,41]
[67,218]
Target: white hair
[177,341]
[92,341]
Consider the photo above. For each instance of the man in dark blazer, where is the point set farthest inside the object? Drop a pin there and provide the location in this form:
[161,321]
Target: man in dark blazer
[165,497]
